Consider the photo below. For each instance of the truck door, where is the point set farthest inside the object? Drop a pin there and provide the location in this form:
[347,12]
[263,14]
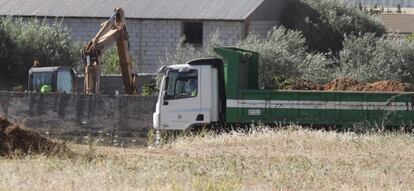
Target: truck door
[181,104]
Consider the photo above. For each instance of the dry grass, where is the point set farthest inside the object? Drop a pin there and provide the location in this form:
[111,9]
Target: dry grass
[288,159]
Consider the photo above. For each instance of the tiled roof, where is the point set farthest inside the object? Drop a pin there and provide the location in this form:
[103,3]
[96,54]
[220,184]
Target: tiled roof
[143,9]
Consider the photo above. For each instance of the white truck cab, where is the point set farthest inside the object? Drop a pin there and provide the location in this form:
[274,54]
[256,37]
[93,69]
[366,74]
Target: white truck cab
[189,95]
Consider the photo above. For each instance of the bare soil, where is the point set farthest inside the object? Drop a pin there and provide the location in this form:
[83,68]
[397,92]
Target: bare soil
[348,84]
[17,139]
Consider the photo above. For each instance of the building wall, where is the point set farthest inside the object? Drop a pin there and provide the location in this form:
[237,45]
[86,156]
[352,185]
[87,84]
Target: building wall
[151,40]
[230,32]
[266,16]
[262,27]
[157,38]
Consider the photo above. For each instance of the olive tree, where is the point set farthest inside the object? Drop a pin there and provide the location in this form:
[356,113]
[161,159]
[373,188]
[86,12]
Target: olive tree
[325,22]
[31,39]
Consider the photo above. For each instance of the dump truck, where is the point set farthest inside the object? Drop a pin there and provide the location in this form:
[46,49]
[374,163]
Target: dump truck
[224,91]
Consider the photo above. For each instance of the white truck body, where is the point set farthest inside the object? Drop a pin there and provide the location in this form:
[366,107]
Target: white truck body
[179,104]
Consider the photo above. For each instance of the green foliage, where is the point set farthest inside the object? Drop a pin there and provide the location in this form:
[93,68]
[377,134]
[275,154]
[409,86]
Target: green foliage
[280,54]
[7,47]
[149,89]
[410,38]
[185,52]
[110,60]
[281,81]
[317,68]
[26,40]
[351,40]
[324,22]
[369,58]
[283,56]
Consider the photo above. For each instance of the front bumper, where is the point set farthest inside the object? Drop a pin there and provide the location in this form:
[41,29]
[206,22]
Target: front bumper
[156,120]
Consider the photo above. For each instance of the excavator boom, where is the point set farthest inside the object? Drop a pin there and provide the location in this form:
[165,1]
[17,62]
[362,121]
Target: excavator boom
[113,30]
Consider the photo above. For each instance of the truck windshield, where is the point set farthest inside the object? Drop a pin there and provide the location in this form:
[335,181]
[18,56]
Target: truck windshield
[41,79]
[181,84]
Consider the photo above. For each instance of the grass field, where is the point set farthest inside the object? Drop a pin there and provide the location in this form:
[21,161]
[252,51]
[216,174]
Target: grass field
[289,159]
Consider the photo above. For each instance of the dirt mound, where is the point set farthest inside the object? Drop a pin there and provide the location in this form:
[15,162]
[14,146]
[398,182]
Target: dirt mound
[389,86]
[348,84]
[343,84]
[16,138]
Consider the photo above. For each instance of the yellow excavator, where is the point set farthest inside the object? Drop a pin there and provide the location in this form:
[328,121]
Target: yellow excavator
[111,31]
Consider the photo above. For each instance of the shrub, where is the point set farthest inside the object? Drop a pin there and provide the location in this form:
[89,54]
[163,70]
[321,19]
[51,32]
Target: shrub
[369,58]
[185,52]
[324,22]
[7,47]
[149,89]
[31,40]
[283,56]
[318,68]
[110,61]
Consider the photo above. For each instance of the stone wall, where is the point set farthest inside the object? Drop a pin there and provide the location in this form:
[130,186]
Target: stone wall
[112,83]
[126,118]
[109,84]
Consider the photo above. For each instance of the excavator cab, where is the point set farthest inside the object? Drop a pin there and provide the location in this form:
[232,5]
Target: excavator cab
[51,79]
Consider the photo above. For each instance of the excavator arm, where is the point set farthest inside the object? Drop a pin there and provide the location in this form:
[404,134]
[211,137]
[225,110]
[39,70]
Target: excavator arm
[113,30]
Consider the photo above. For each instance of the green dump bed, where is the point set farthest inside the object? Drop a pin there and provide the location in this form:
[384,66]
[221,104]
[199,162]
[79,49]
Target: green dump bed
[246,103]
[320,108]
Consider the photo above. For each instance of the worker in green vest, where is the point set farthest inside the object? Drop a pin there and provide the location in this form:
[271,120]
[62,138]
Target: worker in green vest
[45,88]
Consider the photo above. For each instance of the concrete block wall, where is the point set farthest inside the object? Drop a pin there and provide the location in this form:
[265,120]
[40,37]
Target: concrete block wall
[158,37]
[79,115]
[230,32]
[149,39]
[83,29]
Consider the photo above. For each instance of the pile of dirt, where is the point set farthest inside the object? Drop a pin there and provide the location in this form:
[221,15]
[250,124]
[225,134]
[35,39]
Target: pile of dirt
[389,86]
[344,84]
[348,84]
[14,138]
